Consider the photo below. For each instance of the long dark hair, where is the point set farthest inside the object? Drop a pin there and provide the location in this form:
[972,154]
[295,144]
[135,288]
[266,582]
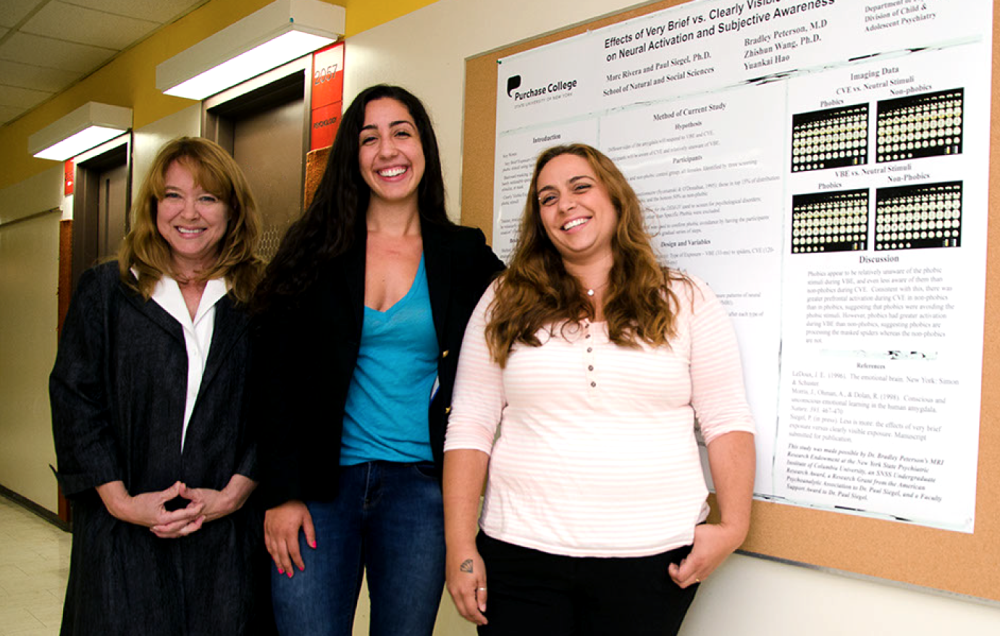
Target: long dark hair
[330,224]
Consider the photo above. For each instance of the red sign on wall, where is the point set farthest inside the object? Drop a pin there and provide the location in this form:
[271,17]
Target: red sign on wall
[327,95]
[68,177]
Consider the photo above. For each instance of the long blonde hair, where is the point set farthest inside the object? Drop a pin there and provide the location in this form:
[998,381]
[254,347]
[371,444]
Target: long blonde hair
[536,291]
[146,251]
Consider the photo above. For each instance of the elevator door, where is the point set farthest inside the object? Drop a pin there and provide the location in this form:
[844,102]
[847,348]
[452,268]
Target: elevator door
[264,124]
[269,147]
[100,208]
[112,211]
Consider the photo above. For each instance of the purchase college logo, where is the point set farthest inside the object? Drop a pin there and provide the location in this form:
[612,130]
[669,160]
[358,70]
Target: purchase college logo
[551,90]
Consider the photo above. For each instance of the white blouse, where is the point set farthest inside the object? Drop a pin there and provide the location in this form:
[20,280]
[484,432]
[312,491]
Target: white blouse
[596,454]
[197,332]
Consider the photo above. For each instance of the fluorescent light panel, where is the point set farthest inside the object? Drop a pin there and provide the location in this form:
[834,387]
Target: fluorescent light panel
[79,143]
[90,125]
[278,33]
[272,54]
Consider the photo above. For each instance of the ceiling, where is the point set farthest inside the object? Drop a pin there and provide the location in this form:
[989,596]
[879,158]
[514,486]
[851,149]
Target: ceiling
[46,46]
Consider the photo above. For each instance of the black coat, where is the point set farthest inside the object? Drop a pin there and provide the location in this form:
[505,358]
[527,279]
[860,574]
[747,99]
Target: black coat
[305,353]
[118,393]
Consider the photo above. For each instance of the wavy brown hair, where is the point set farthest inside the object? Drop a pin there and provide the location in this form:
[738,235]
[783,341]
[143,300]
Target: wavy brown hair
[536,291]
[146,251]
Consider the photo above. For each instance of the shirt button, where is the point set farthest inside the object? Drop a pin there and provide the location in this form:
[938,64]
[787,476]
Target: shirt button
[588,335]
[593,384]
[444,354]
[590,368]
[589,349]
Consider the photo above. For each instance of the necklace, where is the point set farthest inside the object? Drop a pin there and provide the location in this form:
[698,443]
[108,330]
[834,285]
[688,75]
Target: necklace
[593,290]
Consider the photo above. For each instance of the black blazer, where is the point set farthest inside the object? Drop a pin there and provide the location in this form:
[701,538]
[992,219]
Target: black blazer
[305,353]
[118,391]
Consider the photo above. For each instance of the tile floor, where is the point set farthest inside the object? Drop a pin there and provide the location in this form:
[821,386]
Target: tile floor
[34,565]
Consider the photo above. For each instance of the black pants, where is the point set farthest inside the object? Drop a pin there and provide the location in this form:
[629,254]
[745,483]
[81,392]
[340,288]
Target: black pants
[533,592]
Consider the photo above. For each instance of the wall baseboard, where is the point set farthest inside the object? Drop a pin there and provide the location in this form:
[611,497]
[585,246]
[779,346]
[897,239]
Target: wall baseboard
[31,506]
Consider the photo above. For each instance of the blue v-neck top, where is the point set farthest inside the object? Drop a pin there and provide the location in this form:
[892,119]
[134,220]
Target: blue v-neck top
[385,417]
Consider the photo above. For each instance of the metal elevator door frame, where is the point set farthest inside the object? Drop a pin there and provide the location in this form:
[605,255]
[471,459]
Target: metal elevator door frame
[264,123]
[101,204]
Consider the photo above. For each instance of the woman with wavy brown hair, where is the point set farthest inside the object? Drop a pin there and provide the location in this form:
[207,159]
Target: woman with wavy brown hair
[584,370]
[147,412]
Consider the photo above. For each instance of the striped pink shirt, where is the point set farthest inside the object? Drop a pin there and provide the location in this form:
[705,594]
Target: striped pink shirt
[596,453]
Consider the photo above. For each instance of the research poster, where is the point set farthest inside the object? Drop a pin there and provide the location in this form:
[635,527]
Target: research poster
[823,165]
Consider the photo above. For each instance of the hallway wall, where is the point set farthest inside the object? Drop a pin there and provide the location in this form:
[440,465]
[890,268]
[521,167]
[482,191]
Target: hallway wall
[29,265]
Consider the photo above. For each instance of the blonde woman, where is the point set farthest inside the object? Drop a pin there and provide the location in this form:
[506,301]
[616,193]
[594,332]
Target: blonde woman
[147,414]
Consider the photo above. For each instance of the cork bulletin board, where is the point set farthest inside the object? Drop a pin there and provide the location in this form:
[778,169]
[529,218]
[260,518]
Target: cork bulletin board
[956,562]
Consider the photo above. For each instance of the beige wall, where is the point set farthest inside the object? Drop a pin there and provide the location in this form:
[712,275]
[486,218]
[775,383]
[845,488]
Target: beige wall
[29,264]
[147,140]
[425,50]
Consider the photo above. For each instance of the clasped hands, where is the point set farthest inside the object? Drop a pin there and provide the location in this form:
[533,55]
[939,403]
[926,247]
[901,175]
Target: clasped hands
[150,509]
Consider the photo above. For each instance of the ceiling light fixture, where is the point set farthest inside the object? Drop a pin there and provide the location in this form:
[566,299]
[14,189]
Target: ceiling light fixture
[89,125]
[280,32]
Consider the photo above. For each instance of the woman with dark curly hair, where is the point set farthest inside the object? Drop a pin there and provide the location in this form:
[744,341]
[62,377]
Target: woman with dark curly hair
[583,372]
[147,412]
[362,313]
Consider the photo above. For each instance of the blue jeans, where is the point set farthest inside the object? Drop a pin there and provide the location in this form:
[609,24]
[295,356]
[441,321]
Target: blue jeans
[387,519]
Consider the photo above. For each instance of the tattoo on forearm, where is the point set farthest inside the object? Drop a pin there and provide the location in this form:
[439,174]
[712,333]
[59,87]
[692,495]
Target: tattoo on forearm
[466,565]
